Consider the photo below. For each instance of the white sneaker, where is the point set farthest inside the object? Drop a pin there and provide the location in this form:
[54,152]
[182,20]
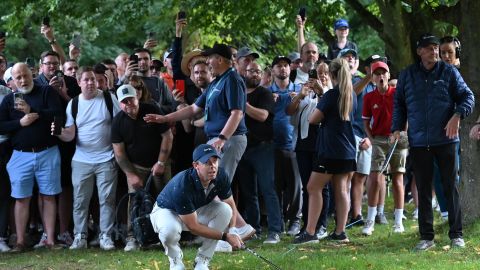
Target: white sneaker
[3,246]
[322,233]
[106,242]
[201,262]
[223,246]
[415,214]
[42,243]
[79,242]
[245,232]
[398,228]
[176,263]
[369,227]
[131,244]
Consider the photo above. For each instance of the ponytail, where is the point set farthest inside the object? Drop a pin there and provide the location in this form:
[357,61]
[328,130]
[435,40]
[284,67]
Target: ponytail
[341,72]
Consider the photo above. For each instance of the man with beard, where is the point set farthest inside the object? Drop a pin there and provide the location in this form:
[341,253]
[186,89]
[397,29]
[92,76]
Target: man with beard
[256,168]
[224,104]
[140,148]
[35,158]
[287,175]
[157,87]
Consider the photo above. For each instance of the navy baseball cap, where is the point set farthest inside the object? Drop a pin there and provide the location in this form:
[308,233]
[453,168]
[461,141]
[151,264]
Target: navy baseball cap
[346,51]
[204,152]
[246,51]
[340,23]
[280,58]
[220,49]
[427,39]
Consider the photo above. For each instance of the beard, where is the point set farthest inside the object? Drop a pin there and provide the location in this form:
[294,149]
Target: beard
[252,83]
[25,90]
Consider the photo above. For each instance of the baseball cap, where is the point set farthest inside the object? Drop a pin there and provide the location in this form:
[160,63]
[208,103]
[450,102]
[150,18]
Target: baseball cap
[427,39]
[125,91]
[374,58]
[220,49]
[340,23]
[157,64]
[7,76]
[346,51]
[380,64]
[293,56]
[167,54]
[204,152]
[246,51]
[279,58]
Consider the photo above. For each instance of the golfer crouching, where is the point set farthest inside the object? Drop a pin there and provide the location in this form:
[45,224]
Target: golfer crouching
[188,203]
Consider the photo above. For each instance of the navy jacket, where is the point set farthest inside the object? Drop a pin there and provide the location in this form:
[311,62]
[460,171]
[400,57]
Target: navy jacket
[427,100]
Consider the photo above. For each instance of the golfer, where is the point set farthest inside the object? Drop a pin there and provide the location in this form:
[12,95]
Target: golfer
[187,204]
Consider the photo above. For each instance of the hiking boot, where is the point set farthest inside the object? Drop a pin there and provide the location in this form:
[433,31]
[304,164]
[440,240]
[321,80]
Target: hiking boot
[65,238]
[131,244]
[106,242]
[381,219]
[272,238]
[424,245]
[201,263]
[3,246]
[356,221]
[245,232]
[322,233]
[176,263]
[398,228]
[340,238]
[42,243]
[305,238]
[457,243]
[223,246]
[79,242]
[294,228]
[368,228]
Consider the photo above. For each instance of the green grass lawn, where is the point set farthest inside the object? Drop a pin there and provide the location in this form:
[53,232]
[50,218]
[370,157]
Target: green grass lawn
[382,250]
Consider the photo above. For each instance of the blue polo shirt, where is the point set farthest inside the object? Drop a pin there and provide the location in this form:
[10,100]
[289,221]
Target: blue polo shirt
[335,139]
[224,94]
[358,128]
[184,193]
[282,129]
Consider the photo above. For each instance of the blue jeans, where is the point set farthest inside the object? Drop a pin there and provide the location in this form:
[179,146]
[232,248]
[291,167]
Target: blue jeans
[256,169]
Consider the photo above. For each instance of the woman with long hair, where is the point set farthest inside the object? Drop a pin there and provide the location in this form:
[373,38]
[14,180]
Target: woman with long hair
[336,152]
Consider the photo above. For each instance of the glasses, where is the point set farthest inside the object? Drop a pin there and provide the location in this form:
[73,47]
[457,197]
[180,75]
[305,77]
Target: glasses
[254,71]
[51,63]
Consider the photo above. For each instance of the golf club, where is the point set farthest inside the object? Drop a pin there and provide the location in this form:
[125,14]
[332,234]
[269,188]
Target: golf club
[389,156]
[274,266]
[353,223]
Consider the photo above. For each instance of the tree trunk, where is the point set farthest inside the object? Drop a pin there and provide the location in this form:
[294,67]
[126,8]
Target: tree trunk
[470,57]
[395,34]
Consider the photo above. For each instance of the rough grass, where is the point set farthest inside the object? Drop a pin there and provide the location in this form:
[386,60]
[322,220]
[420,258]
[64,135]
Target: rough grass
[382,250]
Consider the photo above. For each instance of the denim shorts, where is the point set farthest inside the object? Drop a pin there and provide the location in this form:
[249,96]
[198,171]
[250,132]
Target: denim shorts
[43,167]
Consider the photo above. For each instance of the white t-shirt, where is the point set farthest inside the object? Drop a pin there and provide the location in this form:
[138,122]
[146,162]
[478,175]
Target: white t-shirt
[301,78]
[94,125]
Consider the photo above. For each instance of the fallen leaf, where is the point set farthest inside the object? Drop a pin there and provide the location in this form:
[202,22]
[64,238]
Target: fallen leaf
[303,257]
[446,248]
[82,261]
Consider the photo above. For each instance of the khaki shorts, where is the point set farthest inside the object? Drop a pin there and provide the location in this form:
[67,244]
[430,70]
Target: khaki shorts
[380,147]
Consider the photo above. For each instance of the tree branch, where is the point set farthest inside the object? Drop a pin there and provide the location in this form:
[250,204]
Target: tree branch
[448,14]
[368,17]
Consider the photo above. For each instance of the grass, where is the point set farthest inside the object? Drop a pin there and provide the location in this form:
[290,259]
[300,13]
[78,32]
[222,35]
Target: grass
[382,250]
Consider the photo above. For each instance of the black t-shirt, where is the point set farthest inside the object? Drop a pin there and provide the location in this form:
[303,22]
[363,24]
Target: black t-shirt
[142,140]
[258,132]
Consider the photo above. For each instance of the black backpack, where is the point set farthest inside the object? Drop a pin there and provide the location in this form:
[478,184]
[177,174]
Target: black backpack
[142,205]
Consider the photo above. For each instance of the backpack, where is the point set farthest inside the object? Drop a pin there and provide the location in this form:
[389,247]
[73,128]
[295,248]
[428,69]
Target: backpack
[108,102]
[142,205]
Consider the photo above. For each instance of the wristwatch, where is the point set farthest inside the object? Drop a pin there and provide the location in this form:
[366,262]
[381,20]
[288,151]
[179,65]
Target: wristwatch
[161,163]
[222,137]
[52,42]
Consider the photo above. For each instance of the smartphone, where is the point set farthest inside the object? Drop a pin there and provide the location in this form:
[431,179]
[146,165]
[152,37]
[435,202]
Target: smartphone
[312,74]
[59,74]
[180,86]
[2,34]
[46,21]
[30,62]
[17,98]
[181,15]
[133,58]
[151,35]
[58,122]
[303,13]
[76,40]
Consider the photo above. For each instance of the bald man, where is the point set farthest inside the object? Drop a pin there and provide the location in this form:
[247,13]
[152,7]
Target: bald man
[31,110]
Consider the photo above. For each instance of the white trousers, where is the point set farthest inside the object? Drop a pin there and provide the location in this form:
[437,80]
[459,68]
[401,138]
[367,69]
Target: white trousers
[169,226]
